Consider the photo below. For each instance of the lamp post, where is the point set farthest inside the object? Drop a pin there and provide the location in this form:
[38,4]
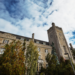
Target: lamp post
[70,62]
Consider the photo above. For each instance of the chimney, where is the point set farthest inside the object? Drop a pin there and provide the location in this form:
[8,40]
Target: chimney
[33,36]
[71,46]
[53,24]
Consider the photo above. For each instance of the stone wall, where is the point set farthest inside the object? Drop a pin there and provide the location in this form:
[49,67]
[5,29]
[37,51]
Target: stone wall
[42,53]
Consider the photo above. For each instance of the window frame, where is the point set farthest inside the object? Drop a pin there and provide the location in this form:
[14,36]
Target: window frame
[64,49]
[38,49]
[46,51]
[44,43]
[5,41]
[2,50]
[37,42]
[39,57]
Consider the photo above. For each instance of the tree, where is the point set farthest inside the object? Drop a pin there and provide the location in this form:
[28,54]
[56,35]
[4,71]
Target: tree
[64,68]
[54,52]
[51,60]
[31,58]
[12,61]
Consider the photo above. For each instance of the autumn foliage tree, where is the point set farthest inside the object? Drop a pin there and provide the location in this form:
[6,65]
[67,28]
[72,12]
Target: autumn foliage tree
[12,61]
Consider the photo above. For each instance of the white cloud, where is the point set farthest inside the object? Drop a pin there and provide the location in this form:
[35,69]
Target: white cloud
[7,26]
[30,28]
[64,17]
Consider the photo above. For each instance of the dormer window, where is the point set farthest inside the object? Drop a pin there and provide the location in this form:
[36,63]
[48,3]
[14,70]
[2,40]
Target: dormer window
[27,39]
[44,43]
[37,41]
[22,39]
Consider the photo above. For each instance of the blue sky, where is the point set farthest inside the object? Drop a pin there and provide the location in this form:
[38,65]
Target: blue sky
[24,17]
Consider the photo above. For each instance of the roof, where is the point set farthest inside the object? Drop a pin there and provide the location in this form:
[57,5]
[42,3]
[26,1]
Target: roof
[27,38]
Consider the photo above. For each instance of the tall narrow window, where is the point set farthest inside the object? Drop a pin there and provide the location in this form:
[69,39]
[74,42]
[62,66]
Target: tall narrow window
[22,39]
[64,49]
[40,66]
[46,50]
[39,57]
[46,65]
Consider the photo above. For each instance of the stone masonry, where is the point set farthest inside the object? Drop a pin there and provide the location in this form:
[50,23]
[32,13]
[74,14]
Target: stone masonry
[55,35]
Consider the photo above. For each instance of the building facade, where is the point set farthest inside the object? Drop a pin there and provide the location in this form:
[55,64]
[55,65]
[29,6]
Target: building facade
[55,35]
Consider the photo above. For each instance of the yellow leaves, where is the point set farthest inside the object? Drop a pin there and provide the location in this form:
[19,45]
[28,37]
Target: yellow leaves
[7,58]
[13,59]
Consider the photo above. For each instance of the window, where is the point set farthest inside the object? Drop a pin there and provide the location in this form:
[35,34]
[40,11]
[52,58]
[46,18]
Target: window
[51,36]
[18,37]
[39,57]
[39,68]
[37,41]
[27,39]
[60,34]
[40,65]
[22,39]
[64,49]
[2,51]
[46,51]
[39,49]
[6,41]
[46,65]
[44,43]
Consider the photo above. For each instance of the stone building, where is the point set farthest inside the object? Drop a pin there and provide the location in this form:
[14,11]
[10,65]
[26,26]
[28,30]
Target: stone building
[55,35]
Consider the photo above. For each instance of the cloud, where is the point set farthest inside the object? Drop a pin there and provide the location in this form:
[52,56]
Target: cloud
[72,38]
[44,24]
[25,17]
[7,26]
[20,9]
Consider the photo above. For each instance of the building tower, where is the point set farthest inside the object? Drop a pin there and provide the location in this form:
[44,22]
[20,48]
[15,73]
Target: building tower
[56,35]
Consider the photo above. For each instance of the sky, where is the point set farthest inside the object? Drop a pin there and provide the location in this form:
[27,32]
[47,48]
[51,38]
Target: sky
[24,17]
